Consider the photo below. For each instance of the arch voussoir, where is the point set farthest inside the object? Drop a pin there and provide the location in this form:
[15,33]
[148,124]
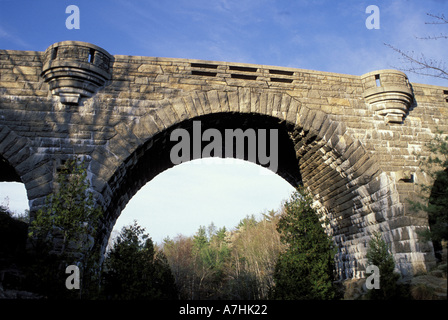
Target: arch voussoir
[244,97]
[255,101]
[190,106]
[223,101]
[166,113]
[103,163]
[293,111]
[203,100]
[213,101]
[180,108]
[10,143]
[233,99]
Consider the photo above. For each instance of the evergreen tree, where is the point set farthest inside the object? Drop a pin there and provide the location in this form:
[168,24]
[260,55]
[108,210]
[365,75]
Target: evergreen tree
[210,253]
[135,271]
[200,239]
[434,198]
[378,254]
[68,219]
[306,269]
[69,212]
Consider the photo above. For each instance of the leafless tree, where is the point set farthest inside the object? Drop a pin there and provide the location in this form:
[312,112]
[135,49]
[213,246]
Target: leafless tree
[419,63]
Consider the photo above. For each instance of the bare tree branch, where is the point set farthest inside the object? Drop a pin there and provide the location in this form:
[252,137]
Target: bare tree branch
[441,18]
[441,36]
[422,65]
[419,63]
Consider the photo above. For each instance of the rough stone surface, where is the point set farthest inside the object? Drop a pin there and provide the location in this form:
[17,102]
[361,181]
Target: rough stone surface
[350,139]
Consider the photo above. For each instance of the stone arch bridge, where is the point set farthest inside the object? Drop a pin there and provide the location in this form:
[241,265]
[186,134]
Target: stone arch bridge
[351,140]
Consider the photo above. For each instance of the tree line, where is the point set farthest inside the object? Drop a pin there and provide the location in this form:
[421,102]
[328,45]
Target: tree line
[213,264]
[226,264]
[285,254]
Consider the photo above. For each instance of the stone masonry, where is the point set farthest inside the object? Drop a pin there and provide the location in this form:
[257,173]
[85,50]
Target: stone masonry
[351,140]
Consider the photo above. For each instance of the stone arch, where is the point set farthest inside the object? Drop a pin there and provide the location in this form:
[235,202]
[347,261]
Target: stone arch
[15,155]
[345,180]
[13,150]
[7,172]
[33,169]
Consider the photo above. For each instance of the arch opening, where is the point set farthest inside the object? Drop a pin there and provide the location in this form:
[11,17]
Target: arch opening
[347,185]
[153,157]
[218,191]
[13,194]
[7,172]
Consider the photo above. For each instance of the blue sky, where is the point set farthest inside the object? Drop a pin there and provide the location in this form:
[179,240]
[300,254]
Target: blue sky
[318,35]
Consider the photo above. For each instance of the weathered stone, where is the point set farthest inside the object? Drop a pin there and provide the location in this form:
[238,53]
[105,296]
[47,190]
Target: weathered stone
[150,68]
[22,70]
[74,69]
[350,140]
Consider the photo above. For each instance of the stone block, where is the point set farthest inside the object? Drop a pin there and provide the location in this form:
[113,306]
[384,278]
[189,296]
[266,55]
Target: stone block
[150,68]
[214,102]
[22,70]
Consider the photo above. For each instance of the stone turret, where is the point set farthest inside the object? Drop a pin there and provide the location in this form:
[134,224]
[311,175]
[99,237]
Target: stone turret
[389,94]
[75,69]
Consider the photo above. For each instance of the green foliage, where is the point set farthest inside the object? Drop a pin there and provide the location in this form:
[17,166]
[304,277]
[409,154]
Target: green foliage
[305,269]
[247,222]
[133,270]
[63,232]
[209,256]
[221,264]
[242,263]
[434,198]
[69,212]
[200,239]
[378,254]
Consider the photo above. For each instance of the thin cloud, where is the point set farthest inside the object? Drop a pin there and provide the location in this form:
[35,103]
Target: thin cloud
[10,37]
